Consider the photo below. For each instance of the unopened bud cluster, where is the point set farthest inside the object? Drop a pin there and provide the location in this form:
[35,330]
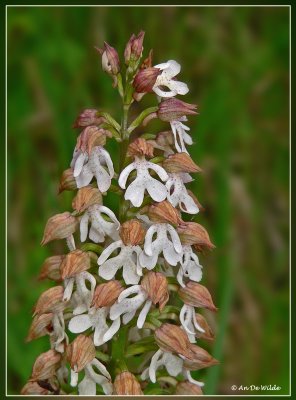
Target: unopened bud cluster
[128,284]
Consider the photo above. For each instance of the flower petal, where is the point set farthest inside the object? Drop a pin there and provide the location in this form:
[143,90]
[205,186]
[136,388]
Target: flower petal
[85,177]
[156,190]
[125,174]
[153,364]
[114,327]
[161,172]
[84,227]
[80,323]
[130,274]
[87,387]
[175,239]
[170,254]
[143,314]
[108,251]
[135,192]
[110,267]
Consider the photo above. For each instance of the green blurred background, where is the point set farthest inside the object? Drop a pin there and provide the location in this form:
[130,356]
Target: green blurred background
[236,62]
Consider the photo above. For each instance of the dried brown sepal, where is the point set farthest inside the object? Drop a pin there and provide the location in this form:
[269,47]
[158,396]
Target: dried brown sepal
[164,212]
[180,162]
[208,334]
[60,226]
[32,388]
[140,147]
[41,326]
[173,339]
[110,59]
[74,262]
[172,109]
[106,294]
[145,79]
[132,232]
[88,117]
[80,352]
[192,233]
[46,365]
[196,295]
[126,384]
[202,359]
[51,268]
[188,388]
[156,286]
[90,137]
[67,181]
[50,301]
[86,197]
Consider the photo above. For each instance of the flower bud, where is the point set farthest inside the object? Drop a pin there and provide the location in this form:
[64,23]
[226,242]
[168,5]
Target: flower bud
[196,295]
[147,63]
[88,117]
[86,197]
[202,359]
[50,301]
[172,109]
[173,339]
[46,365]
[32,388]
[126,384]
[188,388]
[51,268]
[74,262]
[202,322]
[164,212]
[106,294]
[90,137]
[156,286]
[192,233]
[80,352]
[145,79]
[40,326]
[134,48]
[140,147]
[110,59]
[60,226]
[180,162]
[67,181]
[132,232]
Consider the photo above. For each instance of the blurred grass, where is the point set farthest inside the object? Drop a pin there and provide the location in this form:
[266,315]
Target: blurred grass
[235,61]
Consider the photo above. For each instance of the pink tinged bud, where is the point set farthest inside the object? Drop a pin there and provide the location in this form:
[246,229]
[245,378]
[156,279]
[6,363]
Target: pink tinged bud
[180,162]
[126,384]
[51,268]
[132,232]
[40,326]
[50,301]
[106,294]
[173,109]
[46,365]
[196,295]
[134,48]
[147,63]
[187,388]
[173,339]
[192,233]
[164,212]
[201,359]
[67,181]
[80,352]
[156,286]
[202,322]
[86,197]
[145,79]
[140,147]
[90,137]
[88,117]
[110,59]
[74,262]
[59,226]
[32,388]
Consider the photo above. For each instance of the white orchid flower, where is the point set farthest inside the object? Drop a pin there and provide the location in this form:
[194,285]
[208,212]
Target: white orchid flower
[99,226]
[189,322]
[169,70]
[85,167]
[135,192]
[88,384]
[180,135]
[171,248]
[58,335]
[127,259]
[127,307]
[190,266]
[83,295]
[95,319]
[178,195]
